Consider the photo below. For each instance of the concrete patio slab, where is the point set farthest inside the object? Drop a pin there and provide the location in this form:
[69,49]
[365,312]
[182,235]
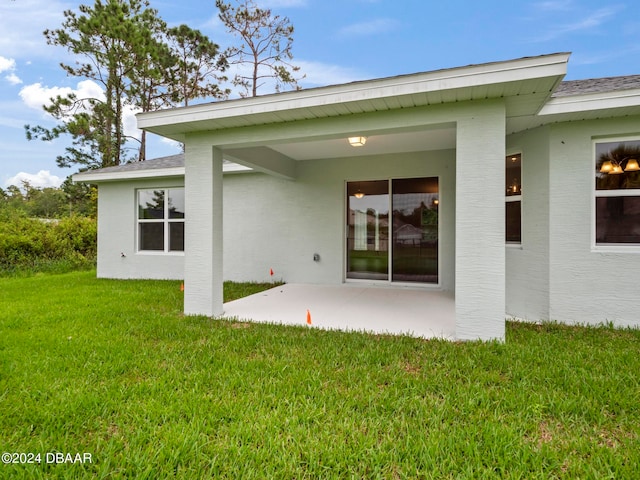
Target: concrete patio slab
[411,311]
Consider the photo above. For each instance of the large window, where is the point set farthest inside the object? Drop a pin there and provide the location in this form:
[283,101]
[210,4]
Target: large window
[617,197]
[513,199]
[161,220]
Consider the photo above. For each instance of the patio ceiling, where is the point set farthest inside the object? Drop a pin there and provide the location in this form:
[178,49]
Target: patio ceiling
[441,138]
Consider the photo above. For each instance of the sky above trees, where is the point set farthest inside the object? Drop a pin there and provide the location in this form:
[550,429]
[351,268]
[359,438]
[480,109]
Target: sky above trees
[334,42]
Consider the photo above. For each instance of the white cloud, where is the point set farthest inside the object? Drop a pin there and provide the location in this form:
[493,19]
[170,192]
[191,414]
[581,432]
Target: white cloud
[7,64]
[129,122]
[42,179]
[580,24]
[554,5]
[372,27]
[35,95]
[320,74]
[13,79]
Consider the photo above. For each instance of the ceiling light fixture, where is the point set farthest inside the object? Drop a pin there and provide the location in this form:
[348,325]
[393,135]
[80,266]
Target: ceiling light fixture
[357,141]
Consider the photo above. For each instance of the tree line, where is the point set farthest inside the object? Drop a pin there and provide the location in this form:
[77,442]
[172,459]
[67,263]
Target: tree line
[69,200]
[143,65]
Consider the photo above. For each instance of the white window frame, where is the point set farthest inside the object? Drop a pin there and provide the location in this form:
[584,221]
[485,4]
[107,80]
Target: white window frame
[165,221]
[630,192]
[515,198]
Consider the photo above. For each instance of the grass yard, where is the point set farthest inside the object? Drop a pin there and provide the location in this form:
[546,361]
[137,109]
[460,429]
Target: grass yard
[112,369]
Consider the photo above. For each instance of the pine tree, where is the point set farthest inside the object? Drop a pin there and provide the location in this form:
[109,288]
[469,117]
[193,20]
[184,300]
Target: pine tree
[266,46]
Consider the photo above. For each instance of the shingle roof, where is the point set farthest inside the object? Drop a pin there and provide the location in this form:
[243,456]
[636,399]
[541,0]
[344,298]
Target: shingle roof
[172,161]
[171,165]
[597,85]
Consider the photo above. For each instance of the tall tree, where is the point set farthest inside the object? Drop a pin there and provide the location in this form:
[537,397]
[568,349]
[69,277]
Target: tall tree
[198,65]
[266,46]
[127,49]
[180,65]
[102,39]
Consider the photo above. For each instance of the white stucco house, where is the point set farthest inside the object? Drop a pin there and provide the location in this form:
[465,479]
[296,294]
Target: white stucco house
[515,192]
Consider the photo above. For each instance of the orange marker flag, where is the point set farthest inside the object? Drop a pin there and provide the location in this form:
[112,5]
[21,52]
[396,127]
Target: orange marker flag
[271,272]
[308,317]
[182,287]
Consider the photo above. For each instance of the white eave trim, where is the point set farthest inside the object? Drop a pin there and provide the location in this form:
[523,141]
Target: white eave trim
[440,80]
[97,177]
[90,177]
[591,101]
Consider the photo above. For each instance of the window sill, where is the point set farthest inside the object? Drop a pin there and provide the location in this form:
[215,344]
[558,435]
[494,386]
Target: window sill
[632,248]
[158,253]
[514,246]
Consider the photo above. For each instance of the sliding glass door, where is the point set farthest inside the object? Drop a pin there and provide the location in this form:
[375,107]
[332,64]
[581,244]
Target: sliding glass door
[368,230]
[401,246]
[415,230]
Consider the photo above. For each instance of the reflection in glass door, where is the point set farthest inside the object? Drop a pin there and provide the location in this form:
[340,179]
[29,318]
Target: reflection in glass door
[415,230]
[368,230]
[405,243]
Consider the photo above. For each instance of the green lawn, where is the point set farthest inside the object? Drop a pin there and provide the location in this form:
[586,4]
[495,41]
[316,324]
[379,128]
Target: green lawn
[112,368]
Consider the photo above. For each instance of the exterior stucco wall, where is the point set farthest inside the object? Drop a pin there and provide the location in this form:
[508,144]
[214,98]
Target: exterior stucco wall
[527,264]
[117,234]
[273,223]
[587,285]
[557,273]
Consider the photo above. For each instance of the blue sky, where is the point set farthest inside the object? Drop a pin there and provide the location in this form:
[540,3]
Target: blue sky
[335,42]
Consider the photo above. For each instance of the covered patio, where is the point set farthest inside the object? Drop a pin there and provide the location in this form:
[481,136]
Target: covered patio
[417,312]
[447,124]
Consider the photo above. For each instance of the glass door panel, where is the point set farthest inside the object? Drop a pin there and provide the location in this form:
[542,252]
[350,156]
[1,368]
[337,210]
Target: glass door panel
[415,230]
[368,230]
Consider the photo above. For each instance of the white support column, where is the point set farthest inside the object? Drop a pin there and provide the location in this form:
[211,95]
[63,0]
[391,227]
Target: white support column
[203,229]
[480,227]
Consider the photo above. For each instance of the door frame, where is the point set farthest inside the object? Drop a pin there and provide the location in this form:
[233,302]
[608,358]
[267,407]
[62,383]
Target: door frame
[345,238]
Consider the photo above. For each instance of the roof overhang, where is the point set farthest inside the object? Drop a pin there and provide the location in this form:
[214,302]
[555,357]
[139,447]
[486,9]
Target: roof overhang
[103,175]
[525,85]
[115,174]
[588,106]
[601,104]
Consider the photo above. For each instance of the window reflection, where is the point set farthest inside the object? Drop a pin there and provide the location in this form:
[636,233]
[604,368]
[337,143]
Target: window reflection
[513,222]
[415,230]
[617,165]
[513,192]
[513,176]
[413,227]
[151,204]
[368,230]
[161,219]
[617,177]
[176,203]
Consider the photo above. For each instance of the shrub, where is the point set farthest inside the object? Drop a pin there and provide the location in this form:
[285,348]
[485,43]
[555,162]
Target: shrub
[39,245]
